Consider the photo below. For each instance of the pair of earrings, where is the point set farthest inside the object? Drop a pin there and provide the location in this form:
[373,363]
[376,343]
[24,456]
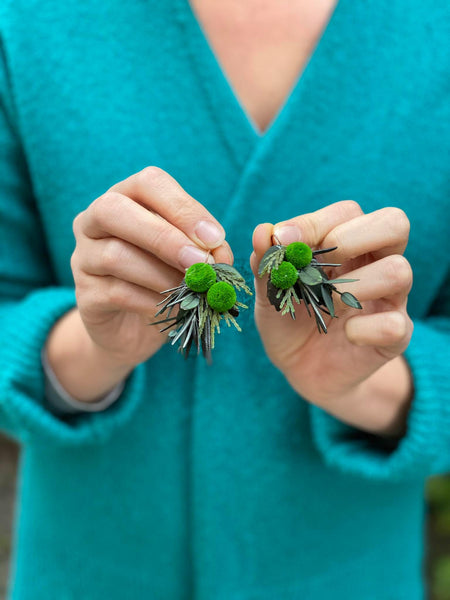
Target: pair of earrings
[207,295]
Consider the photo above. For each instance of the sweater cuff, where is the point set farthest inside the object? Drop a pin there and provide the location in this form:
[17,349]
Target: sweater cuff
[423,450]
[24,326]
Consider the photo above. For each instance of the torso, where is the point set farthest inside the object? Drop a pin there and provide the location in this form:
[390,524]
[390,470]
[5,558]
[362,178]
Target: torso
[263,47]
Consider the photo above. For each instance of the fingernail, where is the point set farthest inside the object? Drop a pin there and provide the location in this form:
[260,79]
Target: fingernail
[190,255]
[209,233]
[286,234]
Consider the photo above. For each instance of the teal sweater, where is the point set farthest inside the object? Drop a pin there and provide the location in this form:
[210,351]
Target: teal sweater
[216,482]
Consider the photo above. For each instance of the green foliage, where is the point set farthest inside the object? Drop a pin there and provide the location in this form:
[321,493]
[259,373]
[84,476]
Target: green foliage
[272,259]
[231,275]
[441,579]
[285,276]
[350,300]
[438,496]
[311,275]
[299,254]
[221,296]
[438,492]
[200,277]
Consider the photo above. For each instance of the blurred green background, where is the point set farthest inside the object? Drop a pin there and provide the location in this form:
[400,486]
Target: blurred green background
[438,564]
[438,525]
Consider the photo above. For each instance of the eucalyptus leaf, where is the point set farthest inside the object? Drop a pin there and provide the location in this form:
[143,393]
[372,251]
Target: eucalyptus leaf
[190,302]
[350,300]
[310,276]
[272,295]
[316,292]
[328,300]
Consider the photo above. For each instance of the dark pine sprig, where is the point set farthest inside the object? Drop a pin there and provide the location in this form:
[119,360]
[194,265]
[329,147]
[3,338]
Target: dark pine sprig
[196,323]
[312,287]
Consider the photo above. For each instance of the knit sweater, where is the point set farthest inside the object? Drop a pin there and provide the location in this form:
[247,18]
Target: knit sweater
[216,482]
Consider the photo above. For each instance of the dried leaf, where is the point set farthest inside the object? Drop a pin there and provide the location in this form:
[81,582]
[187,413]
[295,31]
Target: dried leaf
[350,300]
[341,280]
[326,295]
[272,259]
[227,272]
[190,302]
[310,275]
[272,295]
[323,250]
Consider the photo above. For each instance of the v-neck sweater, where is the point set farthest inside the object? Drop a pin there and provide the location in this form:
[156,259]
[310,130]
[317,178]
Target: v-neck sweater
[216,482]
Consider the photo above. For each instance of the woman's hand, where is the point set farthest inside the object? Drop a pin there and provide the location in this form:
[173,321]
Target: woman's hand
[133,242]
[356,371]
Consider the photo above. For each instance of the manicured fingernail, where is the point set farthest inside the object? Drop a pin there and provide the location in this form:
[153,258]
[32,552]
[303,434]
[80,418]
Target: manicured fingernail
[190,255]
[209,233]
[286,234]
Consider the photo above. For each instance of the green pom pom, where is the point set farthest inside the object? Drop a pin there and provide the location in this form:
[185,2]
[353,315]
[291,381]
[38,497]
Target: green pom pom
[299,254]
[285,276]
[221,296]
[200,277]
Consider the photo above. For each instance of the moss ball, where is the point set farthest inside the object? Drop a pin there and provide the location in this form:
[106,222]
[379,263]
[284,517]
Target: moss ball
[285,276]
[299,254]
[200,277]
[221,296]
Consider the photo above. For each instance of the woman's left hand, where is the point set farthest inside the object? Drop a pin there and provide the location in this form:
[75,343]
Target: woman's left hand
[356,371]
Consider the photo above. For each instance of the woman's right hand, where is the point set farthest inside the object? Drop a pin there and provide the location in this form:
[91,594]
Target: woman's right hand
[133,242]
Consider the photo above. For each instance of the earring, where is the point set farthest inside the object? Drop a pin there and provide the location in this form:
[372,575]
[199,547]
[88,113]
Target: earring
[206,295]
[295,274]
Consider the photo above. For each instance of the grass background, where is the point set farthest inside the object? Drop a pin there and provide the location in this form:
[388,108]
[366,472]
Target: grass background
[438,525]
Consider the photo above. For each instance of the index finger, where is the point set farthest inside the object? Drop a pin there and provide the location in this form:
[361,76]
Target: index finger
[159,192]
[312,228]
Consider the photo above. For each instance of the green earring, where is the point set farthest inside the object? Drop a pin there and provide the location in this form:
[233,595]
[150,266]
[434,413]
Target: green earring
[295,275]
[206,295]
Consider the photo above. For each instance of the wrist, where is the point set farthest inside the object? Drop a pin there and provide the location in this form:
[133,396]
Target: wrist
[84,369]
[378,405]
[391,390]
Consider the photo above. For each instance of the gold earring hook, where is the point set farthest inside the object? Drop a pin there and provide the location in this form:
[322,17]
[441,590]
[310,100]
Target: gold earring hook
[276,240]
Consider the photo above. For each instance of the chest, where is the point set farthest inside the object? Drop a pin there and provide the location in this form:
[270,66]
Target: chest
[262,47]
[365,122]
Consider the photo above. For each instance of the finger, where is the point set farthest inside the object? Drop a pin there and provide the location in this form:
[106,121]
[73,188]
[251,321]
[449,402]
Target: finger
[390,332]
[262,240]
[117,258]
[390,277]
[223,254]
[254,263]
[101,294]
[260,285]
[382,232]
[312,228]
[158,191]
[116,215]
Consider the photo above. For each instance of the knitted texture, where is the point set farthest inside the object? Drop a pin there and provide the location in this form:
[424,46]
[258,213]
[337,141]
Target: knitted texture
[216,482]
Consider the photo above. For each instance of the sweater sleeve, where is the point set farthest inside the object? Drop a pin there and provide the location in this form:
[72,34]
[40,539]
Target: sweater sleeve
[425,448]
[30,304]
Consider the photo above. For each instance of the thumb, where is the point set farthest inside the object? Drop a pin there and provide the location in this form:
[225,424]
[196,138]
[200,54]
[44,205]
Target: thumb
[262,241]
